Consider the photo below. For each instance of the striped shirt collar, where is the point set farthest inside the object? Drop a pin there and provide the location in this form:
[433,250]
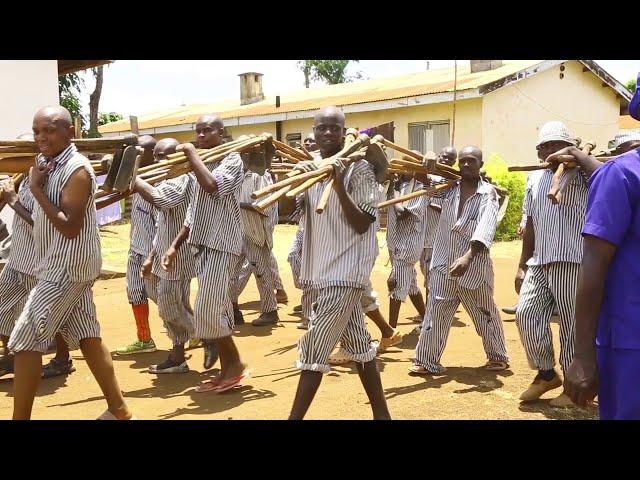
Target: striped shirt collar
[483,188]
[62,157]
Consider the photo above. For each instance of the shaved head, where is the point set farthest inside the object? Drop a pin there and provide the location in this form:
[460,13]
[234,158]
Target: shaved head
[147,142]
[470,162]
[448,156]
[164,147]
[211,120]
[56,114]
[329,112]
[471,151]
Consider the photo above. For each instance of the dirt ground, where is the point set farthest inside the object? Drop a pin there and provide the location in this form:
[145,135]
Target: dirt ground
[466,391]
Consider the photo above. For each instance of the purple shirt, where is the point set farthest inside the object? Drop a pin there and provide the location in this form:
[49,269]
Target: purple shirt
[613,214]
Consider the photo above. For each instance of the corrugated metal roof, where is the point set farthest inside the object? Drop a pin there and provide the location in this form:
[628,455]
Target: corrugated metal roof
[628,123]
[380,89]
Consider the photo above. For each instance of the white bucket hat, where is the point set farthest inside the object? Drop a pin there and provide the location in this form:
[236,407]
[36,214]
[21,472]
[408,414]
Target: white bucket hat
[626,137]
[555,132]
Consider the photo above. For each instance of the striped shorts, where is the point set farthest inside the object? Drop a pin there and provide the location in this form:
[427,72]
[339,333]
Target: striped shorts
[14,291]
[136,293]
[258,263]
[406,279]
[542,289]
[337,316]
[172,298]
[66,307]
[444,298]
[425,261]
[213,310]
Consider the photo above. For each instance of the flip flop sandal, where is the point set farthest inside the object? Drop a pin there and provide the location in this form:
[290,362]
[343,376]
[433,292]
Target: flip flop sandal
[233,382]
[55,369]
[209,385]
[496,366]
[420,370]
[107,415]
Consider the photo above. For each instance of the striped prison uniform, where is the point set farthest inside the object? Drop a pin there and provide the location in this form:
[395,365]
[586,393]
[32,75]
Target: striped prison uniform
[552,274]
[16,279]
[257,242]
[215,238]
[62,299]
[405,239]
[532,178]
[477,223]
[170,289]
[337,264]
[143,229]
[430,225]
[274,219]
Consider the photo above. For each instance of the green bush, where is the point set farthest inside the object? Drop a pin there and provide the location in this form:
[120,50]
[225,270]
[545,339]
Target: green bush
[514,183]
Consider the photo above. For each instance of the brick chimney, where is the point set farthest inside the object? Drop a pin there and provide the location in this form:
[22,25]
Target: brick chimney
[250,88]
[484,65]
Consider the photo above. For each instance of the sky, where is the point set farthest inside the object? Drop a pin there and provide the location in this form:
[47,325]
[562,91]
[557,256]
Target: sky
[134,87]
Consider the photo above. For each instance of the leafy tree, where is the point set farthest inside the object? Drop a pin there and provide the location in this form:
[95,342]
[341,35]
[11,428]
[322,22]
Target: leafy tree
[329,71]
[69,87]
[631,85]
[94,101]
[108,117]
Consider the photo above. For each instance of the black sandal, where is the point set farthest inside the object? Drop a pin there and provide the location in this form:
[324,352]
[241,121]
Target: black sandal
[55,368]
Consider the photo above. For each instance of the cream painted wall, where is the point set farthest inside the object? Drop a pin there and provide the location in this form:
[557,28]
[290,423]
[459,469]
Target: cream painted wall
[25,86]
[512,116]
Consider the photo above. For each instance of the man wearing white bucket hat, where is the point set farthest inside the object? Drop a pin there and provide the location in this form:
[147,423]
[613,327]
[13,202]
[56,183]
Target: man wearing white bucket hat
[549,267]
[624,142]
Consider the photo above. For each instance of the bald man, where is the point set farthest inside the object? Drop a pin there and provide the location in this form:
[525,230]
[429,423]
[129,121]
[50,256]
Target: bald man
[169,289]
[461,270]
[212,230]
[143,229]
[67,262]
[338,253]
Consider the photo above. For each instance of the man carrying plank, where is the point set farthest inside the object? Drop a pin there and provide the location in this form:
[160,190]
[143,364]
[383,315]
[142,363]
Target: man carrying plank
[143,229]
[67,262]
[338,255]
[213,231]
[461,270]
[257,232]
[169,289]
[549,265]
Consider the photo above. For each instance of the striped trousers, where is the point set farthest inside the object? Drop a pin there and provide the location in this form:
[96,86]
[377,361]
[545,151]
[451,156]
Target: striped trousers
[66,307]
[337,316]
[425,262]
[544,287]
[295,257]
[258,263]
[213,310]
[444,298]
[136,292]
[273,263]
[172,298]
[308,298]
[14,291]
[406,279]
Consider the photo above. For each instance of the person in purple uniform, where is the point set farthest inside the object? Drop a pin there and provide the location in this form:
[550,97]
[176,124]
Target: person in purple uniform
[607,354]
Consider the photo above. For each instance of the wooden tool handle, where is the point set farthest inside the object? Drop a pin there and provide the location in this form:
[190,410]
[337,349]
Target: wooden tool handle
[555,182]
[419,193]
[397,148]
[271,199]
[324,199]
[107,200]
[292,179]
[305,185]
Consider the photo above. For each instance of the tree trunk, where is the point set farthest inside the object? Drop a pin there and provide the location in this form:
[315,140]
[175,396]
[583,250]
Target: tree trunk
[94,102]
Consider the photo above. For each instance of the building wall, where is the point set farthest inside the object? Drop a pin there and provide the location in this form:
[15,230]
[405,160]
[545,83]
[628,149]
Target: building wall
[513,115]
[25,86]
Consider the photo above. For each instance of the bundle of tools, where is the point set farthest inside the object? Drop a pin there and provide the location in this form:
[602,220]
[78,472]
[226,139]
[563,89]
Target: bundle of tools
[566,171]
[356,147]
[119,182]
[17,156]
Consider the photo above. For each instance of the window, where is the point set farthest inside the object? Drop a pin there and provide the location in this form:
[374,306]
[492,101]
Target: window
[425,136]
[293,138]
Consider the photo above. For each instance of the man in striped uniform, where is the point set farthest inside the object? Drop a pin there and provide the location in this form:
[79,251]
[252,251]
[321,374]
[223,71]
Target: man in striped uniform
[405,239]
[212,230]
[339,251]
[549,267]
[143,229]
[257,230]
[67,262]
[461,270]
[169,289]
